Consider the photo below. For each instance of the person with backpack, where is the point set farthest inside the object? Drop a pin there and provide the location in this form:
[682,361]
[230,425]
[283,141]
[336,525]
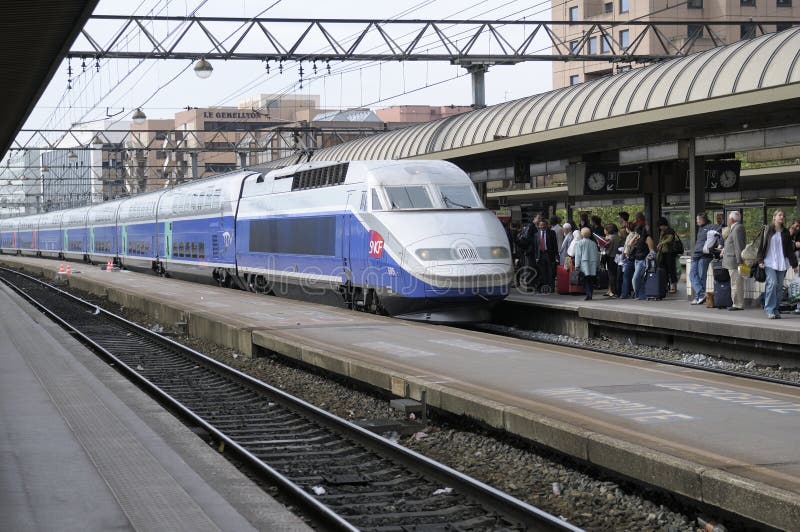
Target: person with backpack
[701,258]
[732,258]
[668,248]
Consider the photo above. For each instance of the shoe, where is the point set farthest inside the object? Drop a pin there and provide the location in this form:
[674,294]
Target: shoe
[587,298]
[735,308]
[701,300]
[777,316]
[673,290]
[796,311]
[771,316]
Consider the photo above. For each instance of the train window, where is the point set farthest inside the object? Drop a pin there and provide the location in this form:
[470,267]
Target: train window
[413,197]
[459,197]
[202,250]
[376,201]
[194,250]
[363,206]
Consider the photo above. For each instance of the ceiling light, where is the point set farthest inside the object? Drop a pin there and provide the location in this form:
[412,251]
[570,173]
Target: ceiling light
[203,68]
[138,116]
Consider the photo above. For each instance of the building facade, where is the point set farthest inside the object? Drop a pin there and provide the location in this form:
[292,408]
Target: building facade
[764,15]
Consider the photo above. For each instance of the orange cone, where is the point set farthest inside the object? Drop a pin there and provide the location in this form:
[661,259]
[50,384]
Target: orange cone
[61,268]
[109,265]
[69,269]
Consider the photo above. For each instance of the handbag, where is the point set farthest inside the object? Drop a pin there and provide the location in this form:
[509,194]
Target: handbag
[794,290]
[576,278]
[750,251]
[759,274]
[721,274]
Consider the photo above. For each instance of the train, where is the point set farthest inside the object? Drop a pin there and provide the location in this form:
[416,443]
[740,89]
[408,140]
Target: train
[409,239]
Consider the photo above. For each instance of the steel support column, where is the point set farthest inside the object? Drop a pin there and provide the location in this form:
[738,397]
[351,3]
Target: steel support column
[697,188]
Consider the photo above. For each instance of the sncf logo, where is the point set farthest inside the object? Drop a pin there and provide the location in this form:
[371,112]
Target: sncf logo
[375,245]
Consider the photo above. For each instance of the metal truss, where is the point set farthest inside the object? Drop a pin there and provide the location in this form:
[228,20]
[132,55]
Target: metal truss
[278,138]
[461,42]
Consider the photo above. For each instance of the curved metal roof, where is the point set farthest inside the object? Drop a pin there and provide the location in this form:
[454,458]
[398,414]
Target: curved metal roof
[769,61]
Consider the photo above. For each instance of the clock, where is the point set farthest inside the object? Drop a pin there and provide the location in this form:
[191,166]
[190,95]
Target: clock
[728,178]
[596,181]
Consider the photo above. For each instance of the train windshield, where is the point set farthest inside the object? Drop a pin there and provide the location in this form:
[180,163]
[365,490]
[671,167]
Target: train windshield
[459,197]
[410,197]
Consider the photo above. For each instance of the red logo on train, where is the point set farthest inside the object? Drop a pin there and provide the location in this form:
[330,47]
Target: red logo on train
[375,245]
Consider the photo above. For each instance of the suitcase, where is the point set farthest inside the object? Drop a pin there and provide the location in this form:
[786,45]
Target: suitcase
[562,282]
[722,294]
[655,282]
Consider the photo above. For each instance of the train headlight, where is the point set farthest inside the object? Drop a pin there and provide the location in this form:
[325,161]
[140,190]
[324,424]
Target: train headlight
[499,253]
[434,254]
[496,252]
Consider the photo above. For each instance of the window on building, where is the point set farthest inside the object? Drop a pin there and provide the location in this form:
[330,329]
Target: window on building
[748,3]
[747,30]
[624,39]
[605,44]
[592,45]
[694,30]
[573,13]
[573,47]
[608,7]
[574,80]
[784,3]
[694,4]
[624,6]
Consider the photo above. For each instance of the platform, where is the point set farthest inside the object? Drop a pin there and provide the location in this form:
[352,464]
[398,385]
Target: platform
[83,449]
[746,334]
[726,441]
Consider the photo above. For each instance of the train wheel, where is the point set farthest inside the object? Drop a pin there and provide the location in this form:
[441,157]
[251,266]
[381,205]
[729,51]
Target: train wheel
[372,303]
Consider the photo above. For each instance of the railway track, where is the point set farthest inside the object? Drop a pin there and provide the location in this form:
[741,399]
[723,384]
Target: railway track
[347,477]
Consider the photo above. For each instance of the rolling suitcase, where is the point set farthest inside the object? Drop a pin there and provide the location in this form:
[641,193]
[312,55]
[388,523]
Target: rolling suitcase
[562,282]
[722,294]
[655,281]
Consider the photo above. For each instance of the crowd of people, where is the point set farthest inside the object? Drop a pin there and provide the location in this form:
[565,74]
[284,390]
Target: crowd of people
[616,257]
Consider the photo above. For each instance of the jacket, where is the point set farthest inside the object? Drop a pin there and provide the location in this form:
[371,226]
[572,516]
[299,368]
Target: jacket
[551,249]
[786,240]
[665,243]
[586,256]
[734,244]
[700,241]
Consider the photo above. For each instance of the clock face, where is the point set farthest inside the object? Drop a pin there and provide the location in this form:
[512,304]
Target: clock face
[596,181]
[727,179]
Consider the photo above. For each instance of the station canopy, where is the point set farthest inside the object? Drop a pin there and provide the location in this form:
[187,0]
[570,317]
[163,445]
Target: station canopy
[745,68]
[34,38]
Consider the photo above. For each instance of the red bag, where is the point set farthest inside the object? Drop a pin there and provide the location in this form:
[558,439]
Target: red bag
[562,282]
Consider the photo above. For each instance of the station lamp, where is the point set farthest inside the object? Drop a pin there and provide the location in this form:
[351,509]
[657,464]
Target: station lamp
[138,116]
[203,68]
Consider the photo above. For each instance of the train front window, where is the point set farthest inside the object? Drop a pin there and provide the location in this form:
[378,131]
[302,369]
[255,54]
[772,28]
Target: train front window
[459,197]
[411,197]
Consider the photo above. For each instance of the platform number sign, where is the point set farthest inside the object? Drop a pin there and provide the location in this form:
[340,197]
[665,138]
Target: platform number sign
[375,245]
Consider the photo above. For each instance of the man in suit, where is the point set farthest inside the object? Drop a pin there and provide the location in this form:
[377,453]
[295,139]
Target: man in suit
[546,247]
[732,258]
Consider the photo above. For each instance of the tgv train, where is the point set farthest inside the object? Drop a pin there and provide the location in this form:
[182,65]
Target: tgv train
[404,238]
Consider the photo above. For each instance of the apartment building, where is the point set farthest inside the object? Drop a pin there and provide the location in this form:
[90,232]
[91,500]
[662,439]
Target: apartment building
[769,15]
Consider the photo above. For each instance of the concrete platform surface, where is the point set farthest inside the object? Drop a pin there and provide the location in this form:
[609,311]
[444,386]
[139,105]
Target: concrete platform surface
[83,449]
[726,441]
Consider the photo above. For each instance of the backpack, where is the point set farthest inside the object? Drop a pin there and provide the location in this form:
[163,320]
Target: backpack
[677,245]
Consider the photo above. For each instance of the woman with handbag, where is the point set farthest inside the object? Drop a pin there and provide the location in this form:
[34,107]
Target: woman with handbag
[587,257]
[776,255]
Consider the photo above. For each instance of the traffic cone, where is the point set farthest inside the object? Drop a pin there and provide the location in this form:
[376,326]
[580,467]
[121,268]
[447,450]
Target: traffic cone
[61,270]
[109,265]
[69,269]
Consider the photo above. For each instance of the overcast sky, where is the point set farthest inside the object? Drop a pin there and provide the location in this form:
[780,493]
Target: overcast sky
[150,85]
